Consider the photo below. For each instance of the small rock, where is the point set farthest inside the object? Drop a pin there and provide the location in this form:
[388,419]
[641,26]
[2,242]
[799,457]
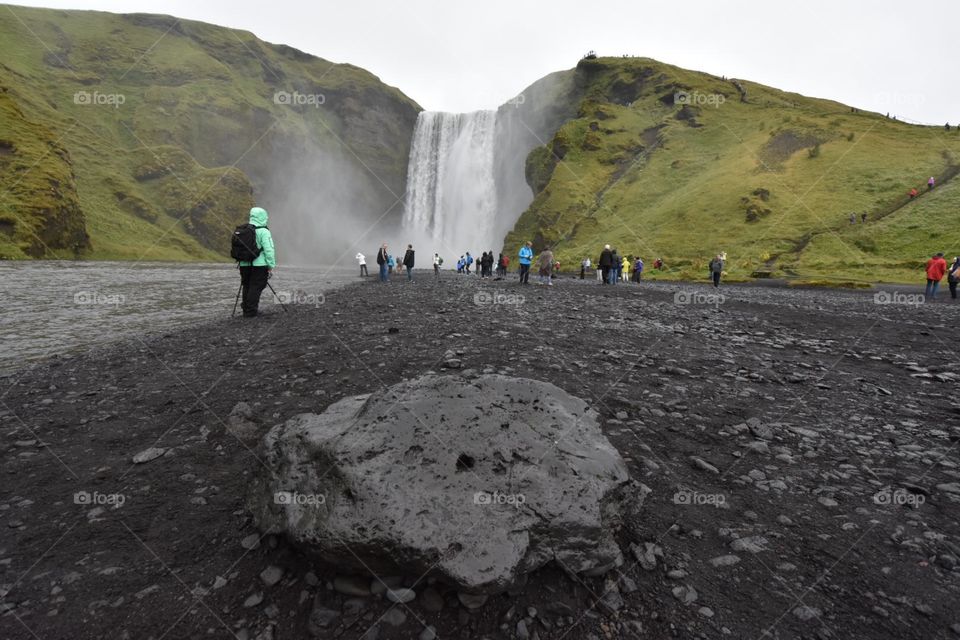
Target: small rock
[253,600]
[401,595]
[806,613]
[685,594]
[725,561]
[321,618]
[752,544]
[700,463]
[251,542]
[471,600]
[394,617]
[148,454]
[271,575]
[706,612]
[429,633]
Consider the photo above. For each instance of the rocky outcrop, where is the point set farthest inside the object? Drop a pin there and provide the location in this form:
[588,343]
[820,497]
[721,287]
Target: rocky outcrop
[477,482]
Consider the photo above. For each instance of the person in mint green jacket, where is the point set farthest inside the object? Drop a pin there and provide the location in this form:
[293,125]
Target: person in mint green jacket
[254,275]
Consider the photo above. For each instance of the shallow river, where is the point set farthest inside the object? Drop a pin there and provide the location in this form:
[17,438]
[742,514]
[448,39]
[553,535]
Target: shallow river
[54,307]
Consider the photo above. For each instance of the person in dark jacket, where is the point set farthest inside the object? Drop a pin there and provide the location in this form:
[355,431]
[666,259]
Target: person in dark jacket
[606,263]
[716,270]
[383,260]
[615,267]
[953,277]
[408,261]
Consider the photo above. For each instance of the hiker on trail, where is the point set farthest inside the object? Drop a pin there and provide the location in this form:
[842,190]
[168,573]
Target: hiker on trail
[863,217]
[502,265]
[545,265]
[931,183]
[625,269]
[467,263]
[383,261]
[258,262]
[606,263]
[615,266]
[408,261]
[525,257]
[853,218]
[936,267]
[391,263]
[584,265]
[658,264]
[362,260]
[716,269]
[953,277]
[913,193]
[437,261]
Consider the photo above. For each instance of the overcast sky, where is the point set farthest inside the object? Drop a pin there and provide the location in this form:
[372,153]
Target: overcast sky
[882,55]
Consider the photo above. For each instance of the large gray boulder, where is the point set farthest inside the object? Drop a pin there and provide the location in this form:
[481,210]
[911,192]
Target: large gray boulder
[475,481]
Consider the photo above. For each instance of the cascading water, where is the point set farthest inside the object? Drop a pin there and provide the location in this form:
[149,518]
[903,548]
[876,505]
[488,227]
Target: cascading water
[451,191]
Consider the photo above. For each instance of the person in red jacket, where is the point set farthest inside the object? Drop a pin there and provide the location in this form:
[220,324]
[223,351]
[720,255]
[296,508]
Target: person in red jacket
[936,267]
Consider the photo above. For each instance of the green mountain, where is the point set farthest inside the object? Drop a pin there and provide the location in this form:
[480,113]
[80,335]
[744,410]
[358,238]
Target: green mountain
[664,162]
[148,137]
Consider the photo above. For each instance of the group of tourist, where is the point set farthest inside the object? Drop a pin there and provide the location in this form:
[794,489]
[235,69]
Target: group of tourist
[388,264]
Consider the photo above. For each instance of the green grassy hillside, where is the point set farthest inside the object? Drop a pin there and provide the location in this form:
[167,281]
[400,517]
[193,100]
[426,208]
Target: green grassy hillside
[148,137]
[682,165]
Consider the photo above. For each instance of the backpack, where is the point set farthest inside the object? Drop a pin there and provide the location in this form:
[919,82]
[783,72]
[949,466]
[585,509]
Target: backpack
[243,244]
[439,261]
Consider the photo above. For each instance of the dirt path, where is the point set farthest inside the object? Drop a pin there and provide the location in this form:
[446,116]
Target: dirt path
[801,447]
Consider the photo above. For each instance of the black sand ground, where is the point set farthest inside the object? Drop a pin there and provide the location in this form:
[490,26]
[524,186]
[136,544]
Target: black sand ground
[803,441]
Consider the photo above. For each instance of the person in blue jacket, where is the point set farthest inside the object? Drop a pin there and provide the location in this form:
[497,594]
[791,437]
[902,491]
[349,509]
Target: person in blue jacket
[525,257]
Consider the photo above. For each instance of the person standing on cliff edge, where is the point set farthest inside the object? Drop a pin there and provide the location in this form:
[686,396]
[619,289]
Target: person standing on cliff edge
[525,257]
[255,273]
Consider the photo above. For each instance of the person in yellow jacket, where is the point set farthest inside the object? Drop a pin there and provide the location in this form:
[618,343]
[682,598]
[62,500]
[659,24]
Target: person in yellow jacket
[625,272]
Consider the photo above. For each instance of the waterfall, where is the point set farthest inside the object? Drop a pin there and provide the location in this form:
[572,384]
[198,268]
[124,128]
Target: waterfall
[451,202]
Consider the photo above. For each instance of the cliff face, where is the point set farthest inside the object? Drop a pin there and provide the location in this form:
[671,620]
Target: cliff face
[660,161]
[160,133]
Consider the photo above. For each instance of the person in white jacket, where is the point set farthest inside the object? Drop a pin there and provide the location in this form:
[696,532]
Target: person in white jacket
[437,261]
[362,259]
